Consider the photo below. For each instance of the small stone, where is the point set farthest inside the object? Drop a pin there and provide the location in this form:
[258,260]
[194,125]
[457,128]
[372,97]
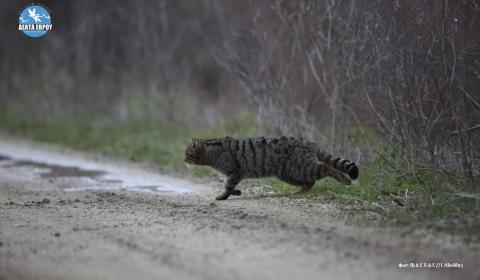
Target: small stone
[57,234]
[46,200]
[77,200]
[1,244]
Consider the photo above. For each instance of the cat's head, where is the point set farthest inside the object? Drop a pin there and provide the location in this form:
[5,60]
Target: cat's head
[195,152]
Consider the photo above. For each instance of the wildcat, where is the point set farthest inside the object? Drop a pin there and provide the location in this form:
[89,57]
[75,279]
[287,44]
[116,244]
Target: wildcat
[291,159]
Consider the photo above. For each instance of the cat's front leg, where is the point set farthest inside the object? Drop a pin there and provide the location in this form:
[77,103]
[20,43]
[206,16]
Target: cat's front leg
[232,182]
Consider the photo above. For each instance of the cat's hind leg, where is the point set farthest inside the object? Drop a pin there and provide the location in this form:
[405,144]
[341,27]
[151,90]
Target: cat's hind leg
[324,169]
[304,186]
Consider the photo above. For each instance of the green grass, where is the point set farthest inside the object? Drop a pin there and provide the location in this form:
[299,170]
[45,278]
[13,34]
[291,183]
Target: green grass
[428,198]
[161,144]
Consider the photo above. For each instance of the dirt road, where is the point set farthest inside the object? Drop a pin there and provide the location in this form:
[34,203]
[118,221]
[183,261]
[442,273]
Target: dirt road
[69,215]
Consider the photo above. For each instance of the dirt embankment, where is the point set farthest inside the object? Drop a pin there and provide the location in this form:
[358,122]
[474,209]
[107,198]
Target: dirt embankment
[67,215]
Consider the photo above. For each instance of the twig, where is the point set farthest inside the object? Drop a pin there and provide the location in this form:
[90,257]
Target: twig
[465,130]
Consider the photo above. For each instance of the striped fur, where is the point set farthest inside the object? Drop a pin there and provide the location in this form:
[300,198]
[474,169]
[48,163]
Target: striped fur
[344,165]
[291,159]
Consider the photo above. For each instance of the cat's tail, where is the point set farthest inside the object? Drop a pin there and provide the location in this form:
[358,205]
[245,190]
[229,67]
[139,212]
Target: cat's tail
[344,165]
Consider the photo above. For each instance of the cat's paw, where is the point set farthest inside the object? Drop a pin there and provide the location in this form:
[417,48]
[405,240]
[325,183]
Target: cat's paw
[222,196]
[236,192]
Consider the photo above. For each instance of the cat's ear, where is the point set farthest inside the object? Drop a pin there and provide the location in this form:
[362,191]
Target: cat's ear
[196,143]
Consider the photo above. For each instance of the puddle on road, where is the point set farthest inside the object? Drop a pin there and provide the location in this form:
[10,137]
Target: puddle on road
[57,171]
[4,157]
[112,181]
[115,178]
[74,170]
[151,189]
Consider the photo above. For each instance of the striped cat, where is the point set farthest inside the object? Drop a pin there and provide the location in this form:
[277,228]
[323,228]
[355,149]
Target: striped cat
[291,159]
